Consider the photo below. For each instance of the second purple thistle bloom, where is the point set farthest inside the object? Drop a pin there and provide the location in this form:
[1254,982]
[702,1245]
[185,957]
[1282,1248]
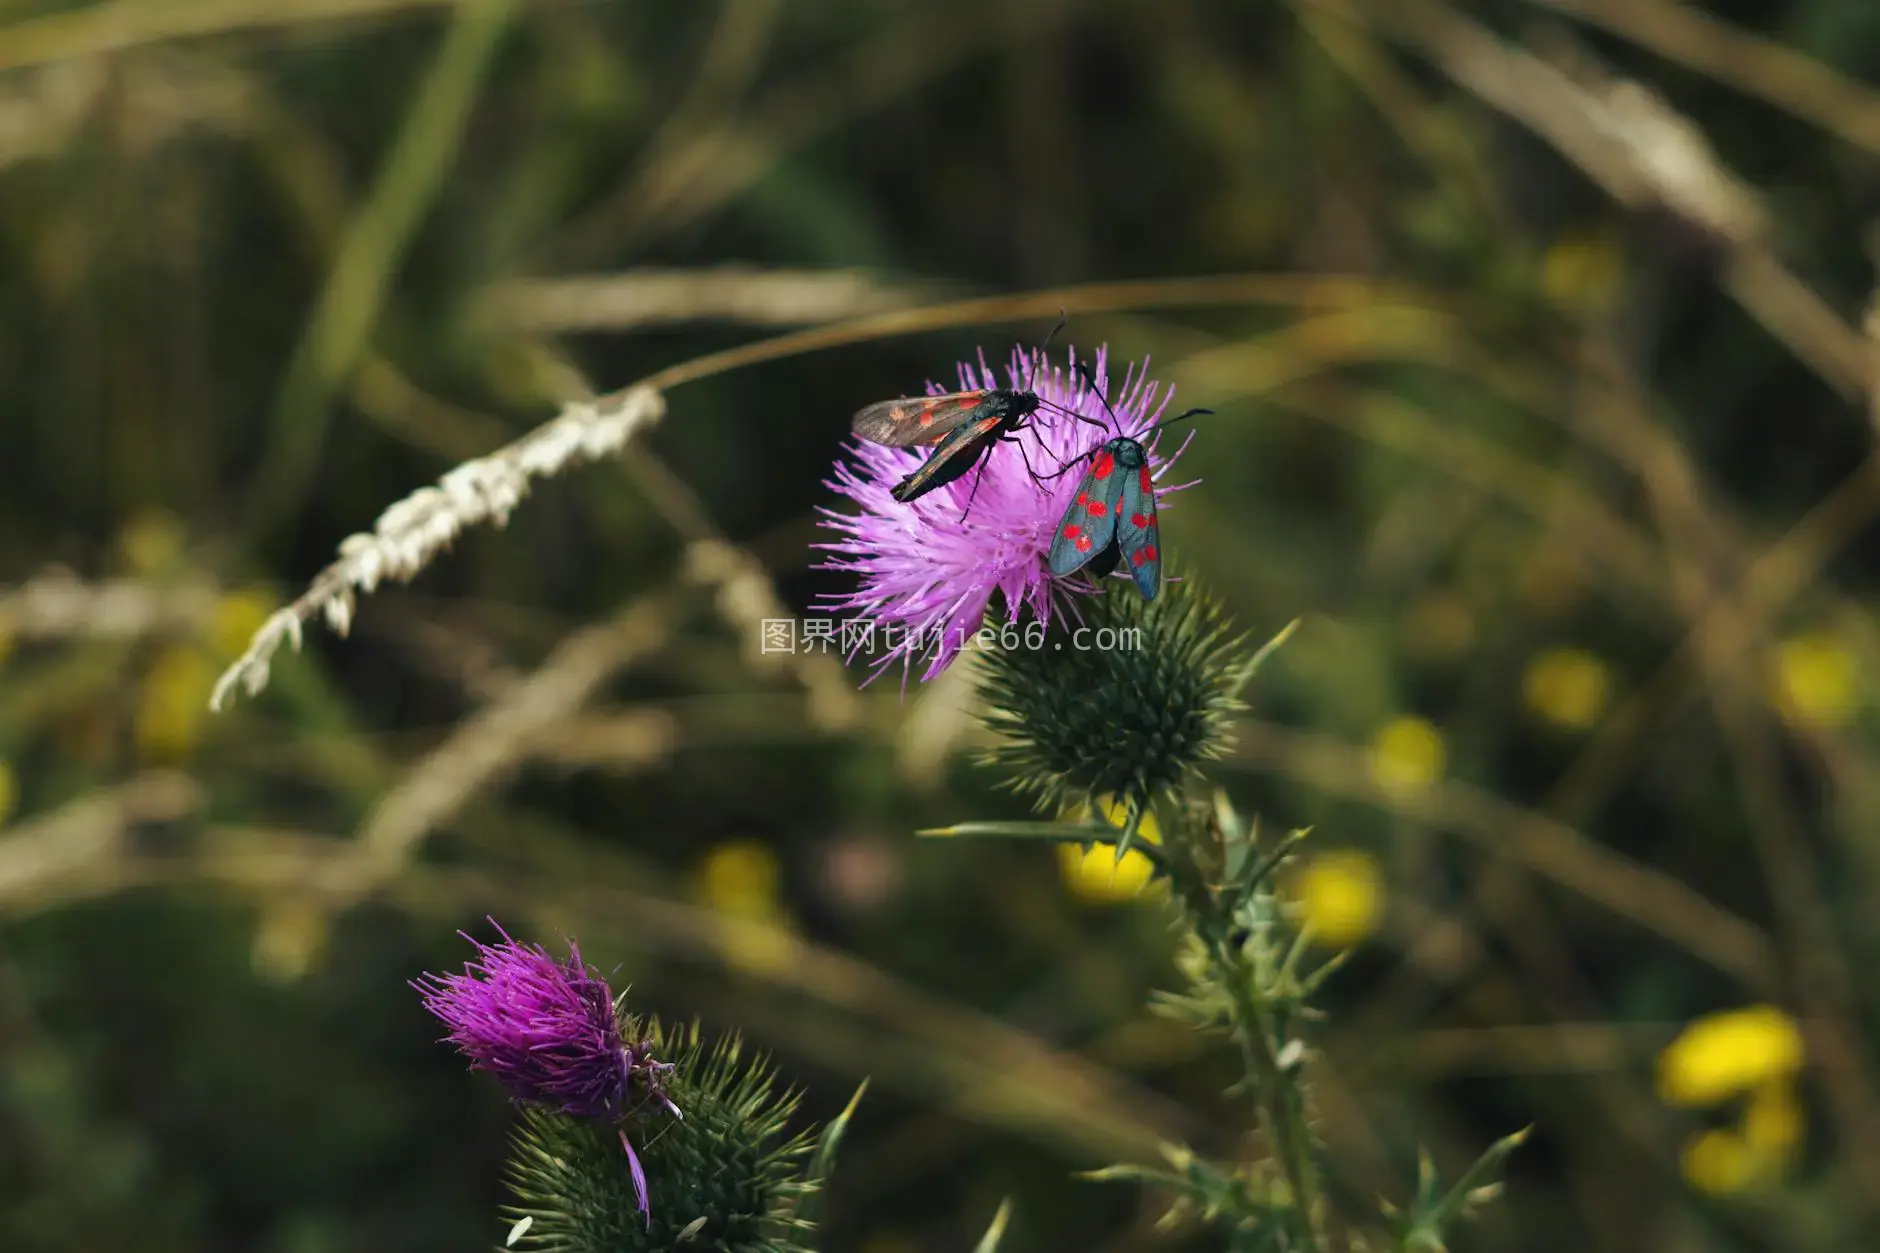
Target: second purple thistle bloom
[549,1032]
[926,569]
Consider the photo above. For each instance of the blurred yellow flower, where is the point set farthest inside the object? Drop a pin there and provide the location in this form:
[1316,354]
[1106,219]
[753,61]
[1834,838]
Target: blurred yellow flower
[9,792]
[1773,1123]
[238,616]
[1719,1162]
[1567,686]
[1340,896]
[288,939]
[151,541]
[1814,679]
[1408,755]
[1096,876]
[1725,1160]
[1582,270]
[1725,1054]
[740,878]
[173,707]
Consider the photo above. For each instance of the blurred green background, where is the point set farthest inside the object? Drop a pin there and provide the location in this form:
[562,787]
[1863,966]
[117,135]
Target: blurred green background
[1545,399]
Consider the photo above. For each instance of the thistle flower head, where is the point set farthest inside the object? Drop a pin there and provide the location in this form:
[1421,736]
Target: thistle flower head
[927,569]
[551,1033]
[1126,708]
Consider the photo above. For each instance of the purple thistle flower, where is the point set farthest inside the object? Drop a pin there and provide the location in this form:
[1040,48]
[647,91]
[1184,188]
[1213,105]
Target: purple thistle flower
[927,571]
[549,1032]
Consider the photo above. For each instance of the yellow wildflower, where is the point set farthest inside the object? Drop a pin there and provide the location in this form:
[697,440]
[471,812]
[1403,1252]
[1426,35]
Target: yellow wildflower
[151,541]
[1726,1160]
[1340,895]
[1814,679]
[1773,1123]
[1719,1162]
[288,940]
[1722,1055]
[174,704]
[1567,687]
[1096,876]
[740,877]
[1408,755]
[739,880]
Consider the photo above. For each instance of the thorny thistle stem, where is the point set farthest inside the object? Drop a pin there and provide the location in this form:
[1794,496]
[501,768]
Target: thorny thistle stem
[1278,1096]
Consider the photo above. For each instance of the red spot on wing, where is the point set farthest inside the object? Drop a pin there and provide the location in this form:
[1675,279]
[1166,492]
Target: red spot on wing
[1137,519]
[1073,531]
[1106,462]
[1148,484]
[926,416]
[1083,543]
[1144,555]
[1097,508]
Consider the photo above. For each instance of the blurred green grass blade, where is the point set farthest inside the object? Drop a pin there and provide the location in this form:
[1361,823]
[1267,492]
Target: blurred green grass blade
[102,28]
[349,306]
[989,1243]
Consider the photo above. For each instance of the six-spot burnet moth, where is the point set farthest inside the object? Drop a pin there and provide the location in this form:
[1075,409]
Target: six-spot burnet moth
[964,425]
[1113,515]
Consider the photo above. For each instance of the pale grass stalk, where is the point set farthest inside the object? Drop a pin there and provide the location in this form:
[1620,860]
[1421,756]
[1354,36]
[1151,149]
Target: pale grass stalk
[626,740]
[1624,137]
[414,530]
[1790,80]
[57,851]
[57,605]
[148,100]
[940,717]
[652,297]
[746,597]
[492,741]
[122,24]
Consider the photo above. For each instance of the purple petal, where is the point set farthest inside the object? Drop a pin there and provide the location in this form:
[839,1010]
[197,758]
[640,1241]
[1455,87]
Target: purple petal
[639,1178]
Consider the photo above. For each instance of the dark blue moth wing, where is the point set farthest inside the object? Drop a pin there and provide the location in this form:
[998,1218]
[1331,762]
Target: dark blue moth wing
[916,420]
[1088,527]
[959,452]
[1136,531]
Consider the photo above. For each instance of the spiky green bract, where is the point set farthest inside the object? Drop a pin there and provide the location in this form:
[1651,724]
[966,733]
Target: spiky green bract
[727,1162]
[1125,705]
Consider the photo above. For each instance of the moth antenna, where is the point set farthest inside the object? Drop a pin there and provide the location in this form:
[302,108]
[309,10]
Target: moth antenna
[1037,362]
[1180,417]
[1090,380]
